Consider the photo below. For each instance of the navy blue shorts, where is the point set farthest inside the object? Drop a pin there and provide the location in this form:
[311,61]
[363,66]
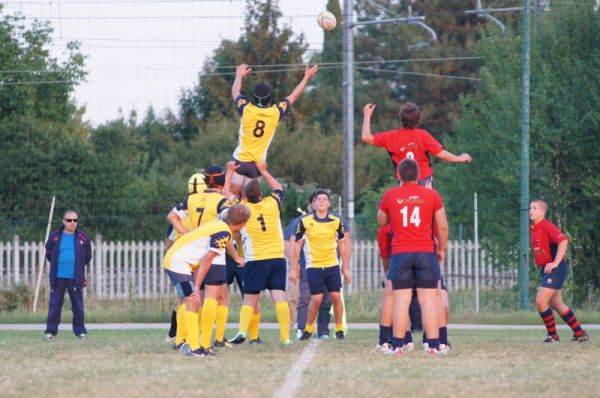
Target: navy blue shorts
[217,275]
[262,275]
[427,182]
[555,279]
[443,284]
[321,279]
[247,169]
[415,269]
[184,283]
[234,272]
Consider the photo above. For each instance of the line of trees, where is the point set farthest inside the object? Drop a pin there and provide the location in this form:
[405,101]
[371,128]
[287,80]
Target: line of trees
[125,175]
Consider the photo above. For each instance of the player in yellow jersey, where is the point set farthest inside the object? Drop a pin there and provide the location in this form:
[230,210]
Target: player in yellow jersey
[319,234]
[196,251]
[198,209]
[177,335]
[257,127]
[265,267]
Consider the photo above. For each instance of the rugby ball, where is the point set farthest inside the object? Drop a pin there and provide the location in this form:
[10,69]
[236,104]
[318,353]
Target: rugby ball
[327,21]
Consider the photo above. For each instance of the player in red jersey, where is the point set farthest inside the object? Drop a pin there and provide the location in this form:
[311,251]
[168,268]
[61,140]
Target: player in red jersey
[412,210]
[409,142]
[384,238]
[549,247]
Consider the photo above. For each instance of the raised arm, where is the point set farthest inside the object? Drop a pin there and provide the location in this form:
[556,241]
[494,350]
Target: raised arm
[309,73]
[366,135]
[272,181]
[450,157]
[241,71]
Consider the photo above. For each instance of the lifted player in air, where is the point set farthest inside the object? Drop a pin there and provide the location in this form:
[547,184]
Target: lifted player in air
[257,128]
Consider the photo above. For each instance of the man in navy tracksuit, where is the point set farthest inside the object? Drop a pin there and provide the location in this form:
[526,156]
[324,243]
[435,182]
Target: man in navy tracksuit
[68,250]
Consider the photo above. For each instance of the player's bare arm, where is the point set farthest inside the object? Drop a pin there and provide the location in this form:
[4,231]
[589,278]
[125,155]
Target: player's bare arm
[366,135]
[345,253]
[560,255]
[234,254]
[382,218]
[177,223]
[203,268]
[450,157]
[309,73]
[272,181]
[295,268]
[241,71]
[441,223]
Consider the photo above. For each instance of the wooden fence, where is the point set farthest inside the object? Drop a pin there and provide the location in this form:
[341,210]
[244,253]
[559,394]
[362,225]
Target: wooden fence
[134,269]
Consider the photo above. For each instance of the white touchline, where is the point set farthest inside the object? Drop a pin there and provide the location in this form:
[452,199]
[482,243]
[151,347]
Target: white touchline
[293,379]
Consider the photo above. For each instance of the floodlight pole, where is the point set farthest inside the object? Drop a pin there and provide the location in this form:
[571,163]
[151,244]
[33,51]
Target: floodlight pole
[524,198]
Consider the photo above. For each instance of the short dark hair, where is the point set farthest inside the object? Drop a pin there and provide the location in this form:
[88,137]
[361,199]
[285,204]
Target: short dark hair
[410,115]
[314,194]
[408,170]
[252,191]
[262,95]
[237,214]
[215,176]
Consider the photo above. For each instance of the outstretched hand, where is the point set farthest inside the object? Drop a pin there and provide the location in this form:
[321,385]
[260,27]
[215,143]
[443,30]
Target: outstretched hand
[309,72]
[465,157]
[369,109]
[243,70]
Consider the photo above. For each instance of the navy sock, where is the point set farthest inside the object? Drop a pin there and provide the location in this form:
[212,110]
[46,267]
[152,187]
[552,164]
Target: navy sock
[424,337]
[548,318]
[434,343]
[385,334]
[397,342]
[408,337]
[444,335]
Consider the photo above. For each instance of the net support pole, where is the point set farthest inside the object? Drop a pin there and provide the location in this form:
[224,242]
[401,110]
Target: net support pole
[43,257]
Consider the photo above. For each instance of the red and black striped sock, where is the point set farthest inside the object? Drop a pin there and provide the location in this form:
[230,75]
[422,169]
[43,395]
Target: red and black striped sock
[571,320]
[548,318]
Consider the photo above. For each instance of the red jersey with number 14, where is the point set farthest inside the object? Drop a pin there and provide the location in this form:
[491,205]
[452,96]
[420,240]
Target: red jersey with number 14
[411,209]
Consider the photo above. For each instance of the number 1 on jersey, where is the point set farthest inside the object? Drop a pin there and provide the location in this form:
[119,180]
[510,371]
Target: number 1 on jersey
[415,216]
[263,225]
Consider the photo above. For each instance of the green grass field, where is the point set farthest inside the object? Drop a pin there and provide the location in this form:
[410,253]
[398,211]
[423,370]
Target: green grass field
[138,363]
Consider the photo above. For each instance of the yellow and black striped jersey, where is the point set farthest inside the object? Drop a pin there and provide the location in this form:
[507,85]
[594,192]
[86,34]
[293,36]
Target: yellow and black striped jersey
[262,235]
[257,128]
[185,254]
[320,237]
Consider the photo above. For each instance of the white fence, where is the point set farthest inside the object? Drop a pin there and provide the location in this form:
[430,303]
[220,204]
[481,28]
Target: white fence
[134,269]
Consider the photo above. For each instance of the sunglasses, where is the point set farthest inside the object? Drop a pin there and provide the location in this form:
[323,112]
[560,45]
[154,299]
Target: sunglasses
[71,220]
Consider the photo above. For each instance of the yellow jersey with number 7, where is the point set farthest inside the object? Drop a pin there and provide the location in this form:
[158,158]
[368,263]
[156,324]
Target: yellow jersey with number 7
[257,128]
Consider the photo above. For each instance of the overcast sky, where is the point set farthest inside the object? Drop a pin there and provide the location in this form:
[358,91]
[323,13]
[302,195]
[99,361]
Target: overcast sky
[142,53]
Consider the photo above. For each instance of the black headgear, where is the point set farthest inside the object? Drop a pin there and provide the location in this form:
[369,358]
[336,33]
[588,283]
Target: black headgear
[215,176]
[262,95]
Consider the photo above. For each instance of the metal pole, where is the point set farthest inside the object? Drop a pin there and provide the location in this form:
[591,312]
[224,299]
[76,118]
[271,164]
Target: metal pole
[348,113]
[476,228]
[524,198]
[42,257]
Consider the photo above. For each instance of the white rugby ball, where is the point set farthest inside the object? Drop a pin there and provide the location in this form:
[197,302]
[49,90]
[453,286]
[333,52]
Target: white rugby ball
[327,21]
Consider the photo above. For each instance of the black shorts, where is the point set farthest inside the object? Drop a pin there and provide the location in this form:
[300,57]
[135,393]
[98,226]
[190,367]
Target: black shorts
[262,275]
[555,279]
[217,275]
[247,169]
[321,279]
[184,283]
[414,269]
[234,272]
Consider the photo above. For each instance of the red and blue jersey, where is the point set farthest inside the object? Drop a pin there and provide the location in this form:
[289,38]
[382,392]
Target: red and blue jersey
[411,209]
[545,237]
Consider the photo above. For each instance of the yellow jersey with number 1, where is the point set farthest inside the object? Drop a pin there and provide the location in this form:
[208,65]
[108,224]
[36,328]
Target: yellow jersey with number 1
[262,235]
[257,128]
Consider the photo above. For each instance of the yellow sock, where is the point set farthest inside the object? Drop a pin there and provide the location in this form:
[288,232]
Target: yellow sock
[191,325]
[253,328]
[339,327]
[282,310]
[309,327]
[222,312]
[180,334]
[246,313]
[209,313]
[199,322]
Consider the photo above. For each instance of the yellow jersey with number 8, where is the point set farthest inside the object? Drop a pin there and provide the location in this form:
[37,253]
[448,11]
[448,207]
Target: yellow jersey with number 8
[257,128]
